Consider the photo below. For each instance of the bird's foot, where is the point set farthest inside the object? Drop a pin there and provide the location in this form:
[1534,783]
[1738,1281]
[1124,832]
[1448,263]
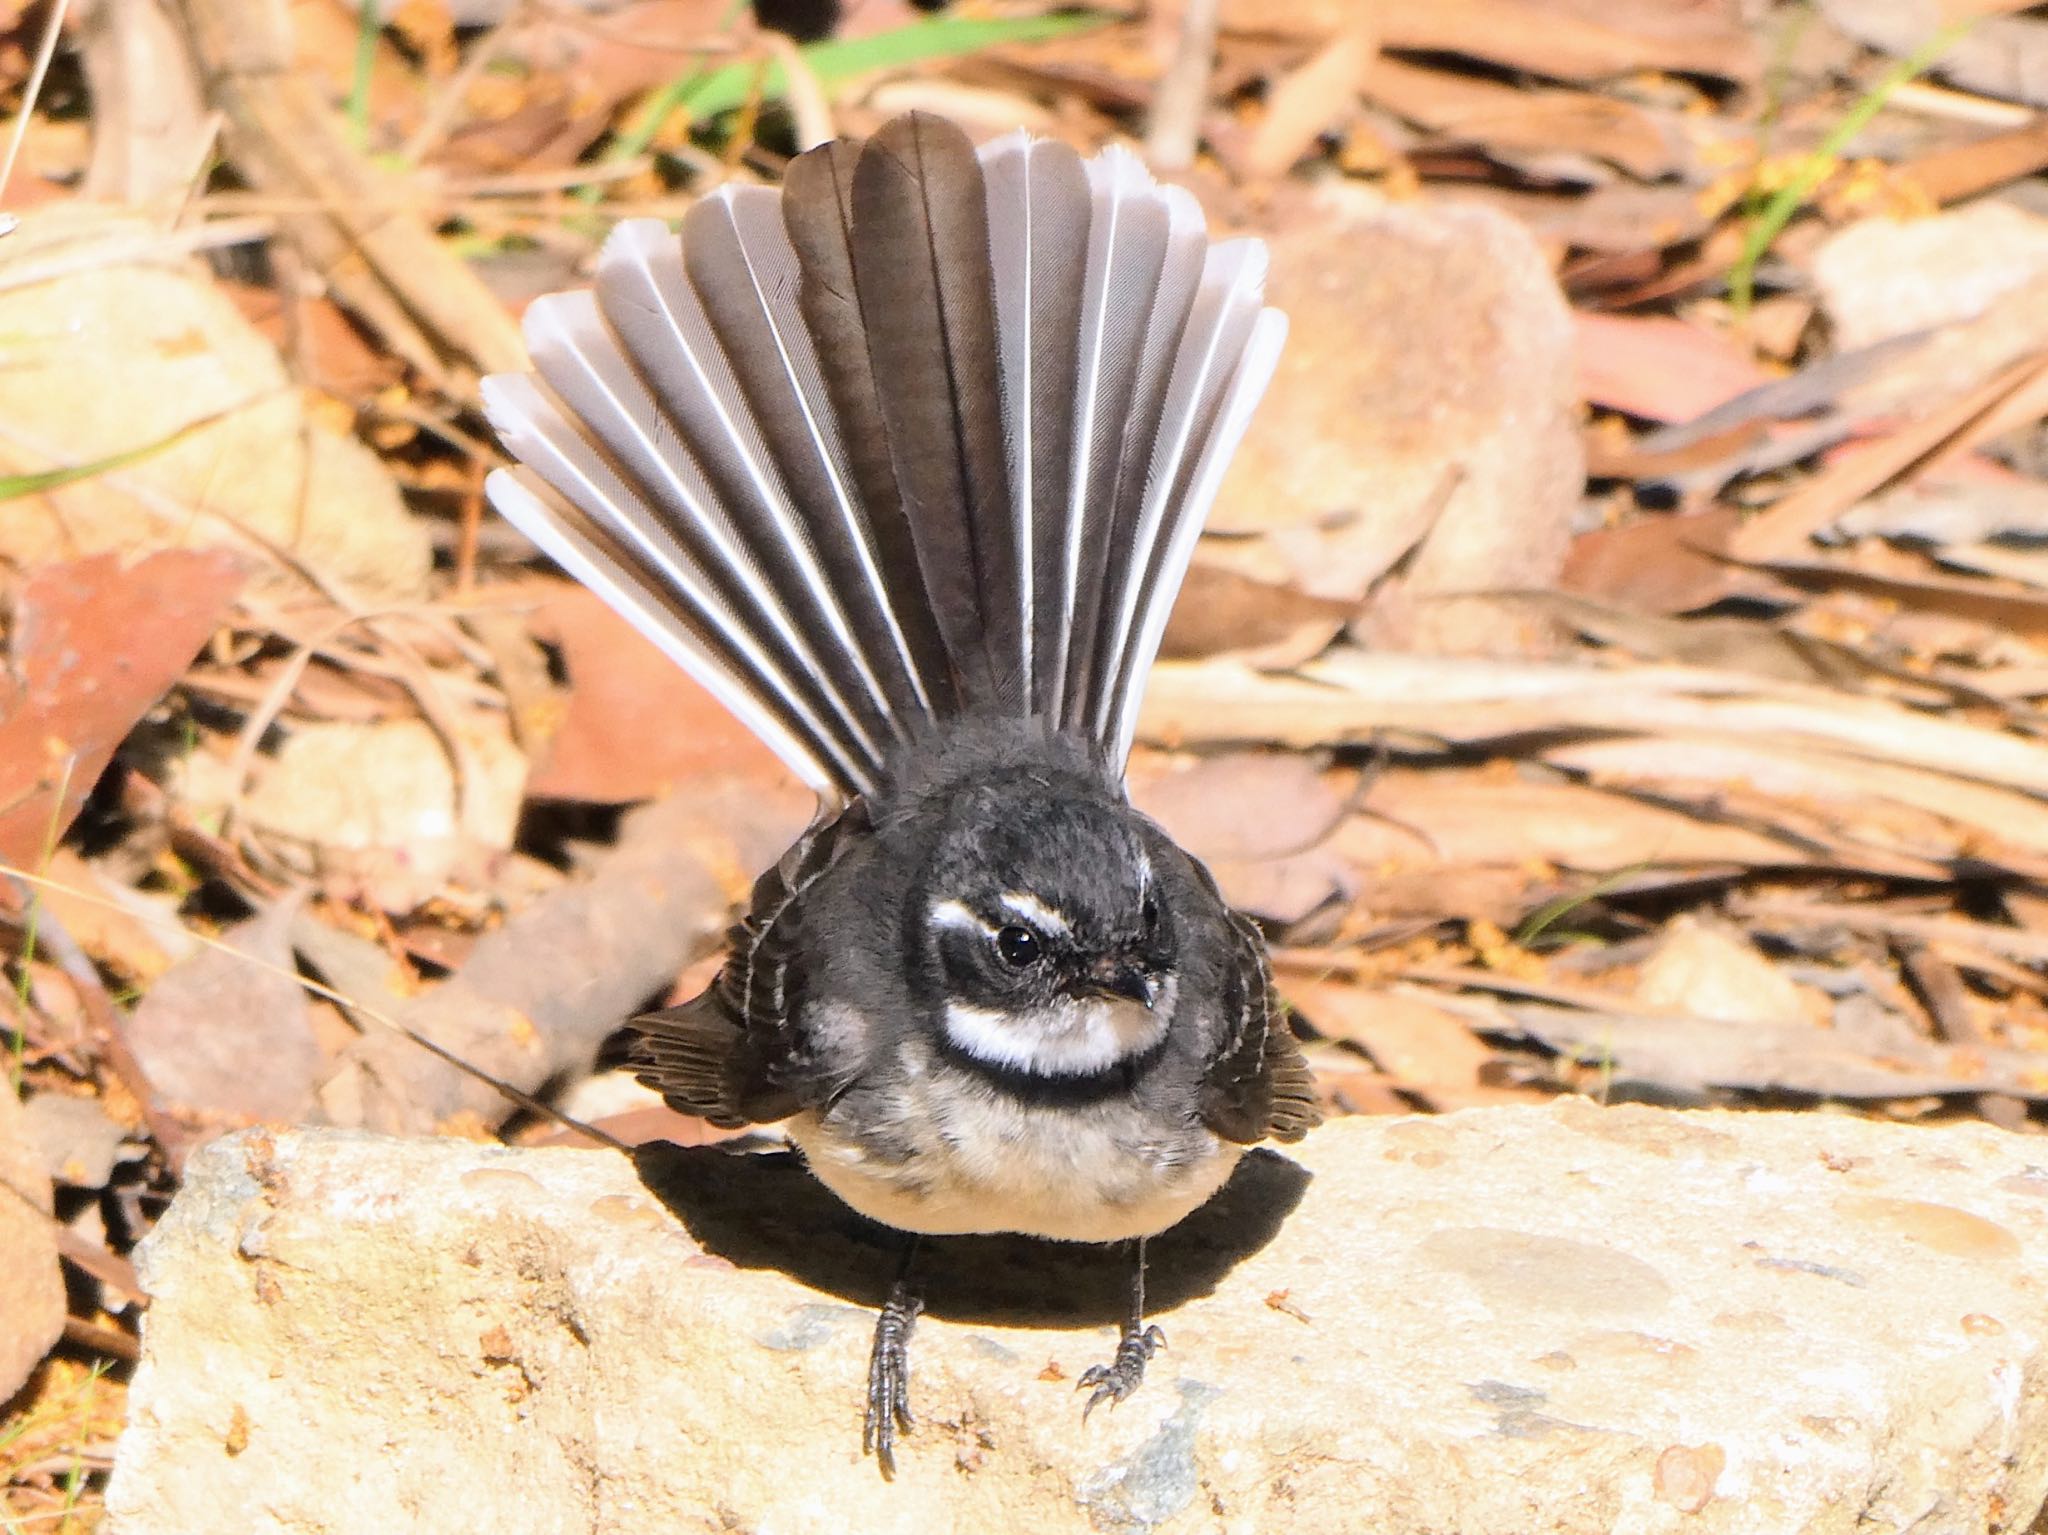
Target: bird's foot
[1122,1375]
[889,1377]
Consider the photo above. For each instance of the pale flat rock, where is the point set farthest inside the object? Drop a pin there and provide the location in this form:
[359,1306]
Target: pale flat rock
[1885,277]
[31,1283]
[1560,1319]
[1709,970]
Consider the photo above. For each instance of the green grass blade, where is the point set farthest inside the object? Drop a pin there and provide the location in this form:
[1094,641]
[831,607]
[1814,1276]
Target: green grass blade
[1554,910]
[1792,196]
[368,24]
[15,486]
[835,61]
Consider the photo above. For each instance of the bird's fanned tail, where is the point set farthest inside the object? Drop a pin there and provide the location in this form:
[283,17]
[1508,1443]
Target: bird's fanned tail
[927,433]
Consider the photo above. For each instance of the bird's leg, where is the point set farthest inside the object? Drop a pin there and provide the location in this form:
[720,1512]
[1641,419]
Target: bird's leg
[1120,1377]
[889,1367]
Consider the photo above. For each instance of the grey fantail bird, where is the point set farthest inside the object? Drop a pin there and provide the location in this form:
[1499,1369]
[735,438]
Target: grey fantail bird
[905,463]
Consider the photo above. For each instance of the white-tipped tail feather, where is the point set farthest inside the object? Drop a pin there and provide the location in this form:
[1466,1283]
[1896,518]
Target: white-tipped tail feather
[811,512]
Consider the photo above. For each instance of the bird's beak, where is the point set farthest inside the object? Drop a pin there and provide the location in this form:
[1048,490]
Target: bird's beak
[1119,978]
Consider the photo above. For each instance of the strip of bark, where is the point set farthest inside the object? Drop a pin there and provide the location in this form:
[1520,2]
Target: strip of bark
[537,998]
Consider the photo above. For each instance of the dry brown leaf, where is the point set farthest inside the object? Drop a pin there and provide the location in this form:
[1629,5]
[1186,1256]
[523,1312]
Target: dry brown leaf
[1658,367]
[94,646]
[1240,805]
[1909,810]
[31,1283]
[1502,894]
[1689,1055]
[1514,120]
[1220,612]
[1423,1049]
[1885,277]
[1977,601]
[1566,42]
[324,37]
[149,121]
[1655,564]
[1448,820]
[333,353]
[1619,219]
[127,351]
[1964,503]
[1262,821]
[134,934]
[1729,644]
[2024,565]
[635,725]
[1957,172]
[2005,56]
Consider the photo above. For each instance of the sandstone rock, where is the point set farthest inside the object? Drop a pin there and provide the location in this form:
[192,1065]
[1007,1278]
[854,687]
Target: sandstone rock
[1884,277]
[1708,970]
[1426,408]
[116,345]
[31,1284]
[1557,1319]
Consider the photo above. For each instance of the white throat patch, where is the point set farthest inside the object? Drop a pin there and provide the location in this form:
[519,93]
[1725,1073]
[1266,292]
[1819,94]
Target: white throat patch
[1072,1037]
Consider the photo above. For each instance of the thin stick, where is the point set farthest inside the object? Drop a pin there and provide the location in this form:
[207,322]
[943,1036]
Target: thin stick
[469,530]
[52,29]
[107,1020]
[447,106]
[342,1000]
[1183,95]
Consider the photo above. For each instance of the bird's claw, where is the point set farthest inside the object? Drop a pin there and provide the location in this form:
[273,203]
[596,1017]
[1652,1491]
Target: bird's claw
[889,1380]
[1122,1375]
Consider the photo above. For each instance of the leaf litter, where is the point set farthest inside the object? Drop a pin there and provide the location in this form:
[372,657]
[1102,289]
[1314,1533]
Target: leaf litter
[1616,667]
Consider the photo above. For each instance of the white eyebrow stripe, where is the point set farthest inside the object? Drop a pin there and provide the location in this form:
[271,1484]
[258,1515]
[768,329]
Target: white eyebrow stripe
[957,914]
[1029,908]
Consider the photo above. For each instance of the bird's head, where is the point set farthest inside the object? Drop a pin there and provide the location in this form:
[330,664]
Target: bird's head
[1048,930]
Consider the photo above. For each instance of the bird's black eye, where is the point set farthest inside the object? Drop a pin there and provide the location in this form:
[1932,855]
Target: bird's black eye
[1149,913]
[1019,947]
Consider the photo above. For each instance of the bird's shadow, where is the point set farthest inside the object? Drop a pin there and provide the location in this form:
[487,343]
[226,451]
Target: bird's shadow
[763,1210]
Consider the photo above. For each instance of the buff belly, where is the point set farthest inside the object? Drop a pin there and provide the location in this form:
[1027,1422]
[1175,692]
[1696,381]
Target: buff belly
[993,1166]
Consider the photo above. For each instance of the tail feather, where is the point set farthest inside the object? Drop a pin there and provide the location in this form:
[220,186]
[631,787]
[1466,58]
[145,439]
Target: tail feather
[817,215]
[741,264]
[672,621]
[1126,254]
[1211,339]
[616,455]
[1194,493]
[922,268]
[750,522]
[928,433]
[1132,533]
[1038,214]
